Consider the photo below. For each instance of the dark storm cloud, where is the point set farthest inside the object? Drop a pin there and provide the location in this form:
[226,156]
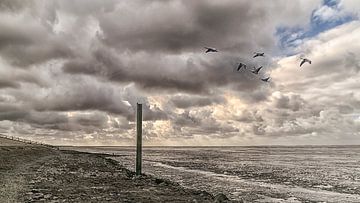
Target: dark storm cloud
[83,96]
[83,67]
[24,56]
[26,43]
[12,112]
[146,75]
[18,113]
[152,52]
[53,119]
[11,35]
[45,118]
[86,96]
[194,25]
[152,72]
[17,80]
[183,26]
[30,77]
[8,84]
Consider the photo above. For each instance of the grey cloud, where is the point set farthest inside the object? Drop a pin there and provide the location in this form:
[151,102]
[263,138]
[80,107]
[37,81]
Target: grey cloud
[257,95]
[22,114]
[352,61]
[188,26]
[16,80]
[148,71]
[31,78]
[185,119]
[187,101]
[249,116]
[201,122]
[91,120]
[345,109]
[258,129]
[45,118]
[199,75]
[24,44]
[84,96]
[151,114]
[12,112]
[85,7]
[283,118]
[104,64]
[55,120]
[89,96]
[293,101]
[25,56]
[183,26]
[120,123]
[14,5]
[8,84]
[140,51]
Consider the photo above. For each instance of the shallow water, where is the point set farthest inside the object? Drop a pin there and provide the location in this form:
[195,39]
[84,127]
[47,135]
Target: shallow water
[255,174]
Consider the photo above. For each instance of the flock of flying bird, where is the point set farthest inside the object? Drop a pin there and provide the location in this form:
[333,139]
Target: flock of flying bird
[255,70]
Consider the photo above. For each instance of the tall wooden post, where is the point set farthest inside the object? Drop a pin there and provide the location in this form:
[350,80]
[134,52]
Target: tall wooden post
[138,138]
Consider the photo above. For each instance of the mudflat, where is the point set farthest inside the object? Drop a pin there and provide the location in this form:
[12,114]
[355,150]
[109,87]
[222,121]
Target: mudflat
[40,174]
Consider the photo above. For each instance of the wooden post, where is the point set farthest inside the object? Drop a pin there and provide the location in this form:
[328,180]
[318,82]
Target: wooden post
[138,138]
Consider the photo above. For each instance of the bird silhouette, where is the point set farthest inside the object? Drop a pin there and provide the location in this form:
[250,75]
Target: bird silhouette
[209,49]
[265,79]
[258,54]
[240,66]
[256,70]
[304,60]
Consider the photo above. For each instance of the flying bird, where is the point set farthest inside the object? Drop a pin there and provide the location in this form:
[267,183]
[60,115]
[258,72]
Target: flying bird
[304,60]
[258,54]
[240,66]
[265,79]
[209,49]
[256,70]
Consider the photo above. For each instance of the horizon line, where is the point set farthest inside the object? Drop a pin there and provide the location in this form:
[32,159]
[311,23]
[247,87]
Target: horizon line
[321,145]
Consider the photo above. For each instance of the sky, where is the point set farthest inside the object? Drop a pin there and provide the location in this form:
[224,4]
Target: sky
[72,71]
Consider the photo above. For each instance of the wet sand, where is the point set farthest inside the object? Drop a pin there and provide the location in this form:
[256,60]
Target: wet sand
[39,174]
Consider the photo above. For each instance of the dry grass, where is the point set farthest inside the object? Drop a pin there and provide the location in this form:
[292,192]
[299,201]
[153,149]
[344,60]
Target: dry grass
[14,162]
[11,188]
[36,174]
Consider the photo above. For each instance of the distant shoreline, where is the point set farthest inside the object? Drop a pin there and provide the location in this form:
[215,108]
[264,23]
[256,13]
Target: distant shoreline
[178,146]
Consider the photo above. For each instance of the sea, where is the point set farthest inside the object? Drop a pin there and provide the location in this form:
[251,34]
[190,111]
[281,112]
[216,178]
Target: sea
[254,173]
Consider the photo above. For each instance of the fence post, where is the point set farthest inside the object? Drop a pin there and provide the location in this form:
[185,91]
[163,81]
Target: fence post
[138,138]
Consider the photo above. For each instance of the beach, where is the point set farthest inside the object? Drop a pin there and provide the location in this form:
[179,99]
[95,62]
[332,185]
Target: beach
[42,174]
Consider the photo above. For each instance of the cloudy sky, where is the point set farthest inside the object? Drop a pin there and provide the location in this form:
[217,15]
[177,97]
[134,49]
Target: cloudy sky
[72,71]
